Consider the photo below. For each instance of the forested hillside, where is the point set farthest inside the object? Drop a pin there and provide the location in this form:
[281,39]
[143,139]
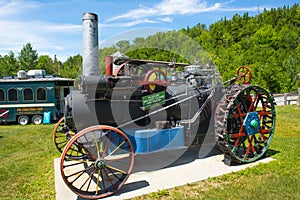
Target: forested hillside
[268,43]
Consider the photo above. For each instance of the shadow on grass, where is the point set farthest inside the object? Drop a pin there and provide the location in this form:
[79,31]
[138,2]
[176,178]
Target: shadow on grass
[271,152]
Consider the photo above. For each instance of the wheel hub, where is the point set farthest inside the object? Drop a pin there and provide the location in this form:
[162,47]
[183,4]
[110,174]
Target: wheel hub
[100,164]
[252,123]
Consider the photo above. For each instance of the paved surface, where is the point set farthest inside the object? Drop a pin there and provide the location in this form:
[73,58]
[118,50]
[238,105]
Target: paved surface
[148,177]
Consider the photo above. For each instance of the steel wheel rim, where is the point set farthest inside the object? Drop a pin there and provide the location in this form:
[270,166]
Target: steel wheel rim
[61,135]
[243,146]
[103,162]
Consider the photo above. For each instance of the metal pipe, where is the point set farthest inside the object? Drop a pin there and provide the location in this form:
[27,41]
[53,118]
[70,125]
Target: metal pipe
[109,65]
[90,64]
[169,106]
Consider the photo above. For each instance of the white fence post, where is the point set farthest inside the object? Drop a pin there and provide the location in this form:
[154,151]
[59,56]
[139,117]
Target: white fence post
[299,96]
[285,98]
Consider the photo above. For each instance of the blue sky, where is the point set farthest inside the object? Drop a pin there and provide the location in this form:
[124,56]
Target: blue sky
[53,27]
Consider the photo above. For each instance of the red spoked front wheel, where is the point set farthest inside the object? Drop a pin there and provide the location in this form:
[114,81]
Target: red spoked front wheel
[103,162]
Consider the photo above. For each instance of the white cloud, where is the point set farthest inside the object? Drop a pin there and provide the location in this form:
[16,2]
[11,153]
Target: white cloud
[11,7]
[47,37]
[129,24]
[176,7]
[19,25]
[44,36]
[170,7]
[166,19]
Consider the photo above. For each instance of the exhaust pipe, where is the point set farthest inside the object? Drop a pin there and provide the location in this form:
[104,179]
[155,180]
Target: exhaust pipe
[90,65]
[83,110]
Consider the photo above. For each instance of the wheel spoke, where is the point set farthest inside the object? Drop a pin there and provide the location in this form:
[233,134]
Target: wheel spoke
[109,179]
[91,175]
[79,172]
[97,185]
[109,141]
[61,135]
[103,182]
[252,108]
[96,143]
[118,170]
[255,104]
[118,147]
[97,175]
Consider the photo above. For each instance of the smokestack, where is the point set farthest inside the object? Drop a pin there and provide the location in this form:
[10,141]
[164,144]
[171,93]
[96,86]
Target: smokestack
[90,65]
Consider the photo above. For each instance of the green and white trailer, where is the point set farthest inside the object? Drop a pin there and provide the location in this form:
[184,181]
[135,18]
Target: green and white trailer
[32,98]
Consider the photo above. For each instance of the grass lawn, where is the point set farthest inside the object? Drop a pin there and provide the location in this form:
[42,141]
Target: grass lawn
[27,153]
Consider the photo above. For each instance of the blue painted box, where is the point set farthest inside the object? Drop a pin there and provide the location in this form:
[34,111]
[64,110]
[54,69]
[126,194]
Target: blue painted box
[47,118]
[152,140]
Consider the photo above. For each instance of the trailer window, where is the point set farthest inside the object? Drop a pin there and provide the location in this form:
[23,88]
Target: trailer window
[41,94]
[2,95]
[28,94]
[12,95]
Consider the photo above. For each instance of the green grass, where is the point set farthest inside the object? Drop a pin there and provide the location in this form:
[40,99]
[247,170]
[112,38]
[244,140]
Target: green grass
[27,153]
[279,179]
[26,156]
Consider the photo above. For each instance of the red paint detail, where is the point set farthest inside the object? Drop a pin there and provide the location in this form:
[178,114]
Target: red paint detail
[244,75]
[241,133]
[5,115]
[109,65]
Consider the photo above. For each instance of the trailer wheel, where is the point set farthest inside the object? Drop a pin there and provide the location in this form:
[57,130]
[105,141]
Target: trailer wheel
[23,120]
[102,162]
[37,119]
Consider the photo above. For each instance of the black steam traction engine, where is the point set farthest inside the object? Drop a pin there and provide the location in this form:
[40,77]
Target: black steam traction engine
[143,107]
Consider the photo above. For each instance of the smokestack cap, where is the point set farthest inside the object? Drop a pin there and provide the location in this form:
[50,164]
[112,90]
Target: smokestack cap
[90,16]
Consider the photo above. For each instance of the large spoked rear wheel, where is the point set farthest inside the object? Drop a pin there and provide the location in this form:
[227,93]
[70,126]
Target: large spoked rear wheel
[249,123]
[61,135]
[103,162]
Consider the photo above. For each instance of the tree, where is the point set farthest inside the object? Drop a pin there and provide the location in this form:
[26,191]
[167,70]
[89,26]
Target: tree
[123,45]
[72,67]
[56,66]
[8,65]
[28,58]
[46,63]
[138,41]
